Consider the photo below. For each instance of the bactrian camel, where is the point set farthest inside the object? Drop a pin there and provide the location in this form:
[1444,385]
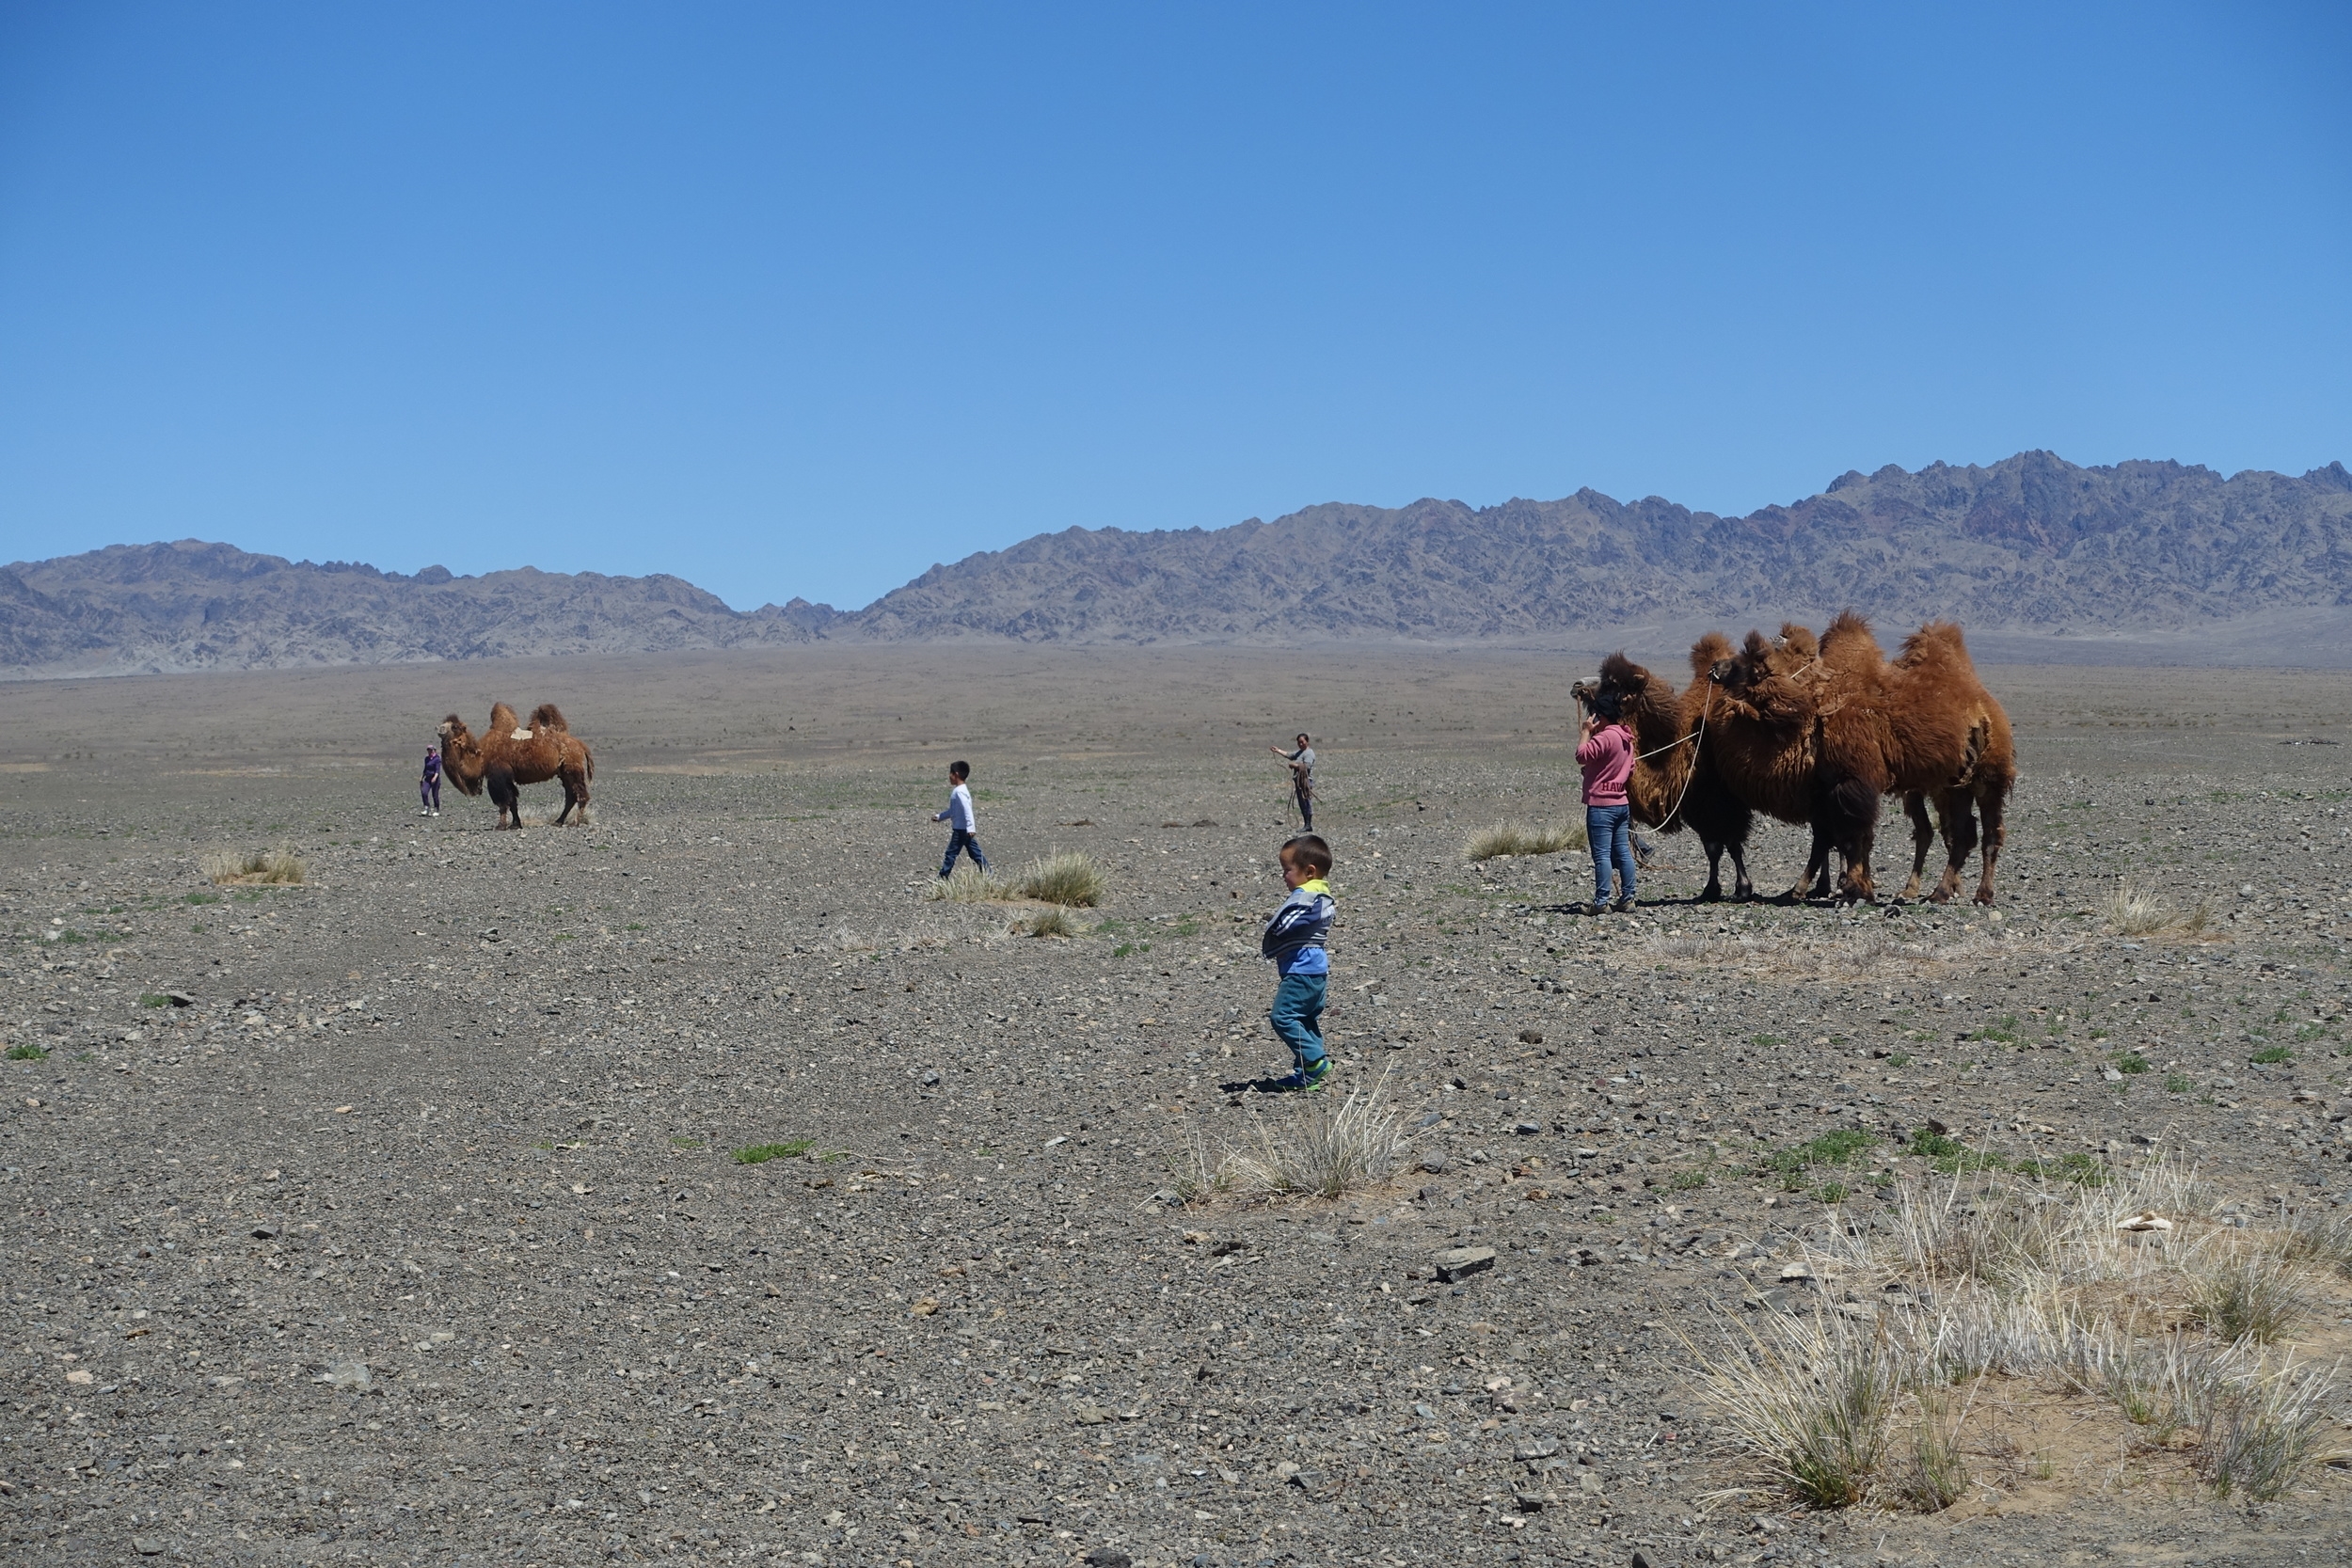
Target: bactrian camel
[1860,726]
[1674,783]
[510,753]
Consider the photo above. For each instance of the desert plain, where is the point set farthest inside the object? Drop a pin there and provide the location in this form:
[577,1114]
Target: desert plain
[397,1216]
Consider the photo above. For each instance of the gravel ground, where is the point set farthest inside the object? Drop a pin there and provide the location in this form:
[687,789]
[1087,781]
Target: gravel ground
[394,1217]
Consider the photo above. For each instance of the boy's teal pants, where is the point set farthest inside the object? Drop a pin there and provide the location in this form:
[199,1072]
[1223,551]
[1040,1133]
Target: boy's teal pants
[1297,1017]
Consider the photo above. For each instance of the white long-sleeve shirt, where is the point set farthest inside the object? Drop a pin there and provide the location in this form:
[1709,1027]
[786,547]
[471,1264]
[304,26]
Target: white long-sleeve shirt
[959,812]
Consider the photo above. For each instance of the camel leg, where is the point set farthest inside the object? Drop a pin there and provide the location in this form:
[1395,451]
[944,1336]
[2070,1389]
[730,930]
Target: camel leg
[1741,888]
[1816,873]
[1922,834]
[1857,805]
[1960,837]
[1995,806]
[1713,892]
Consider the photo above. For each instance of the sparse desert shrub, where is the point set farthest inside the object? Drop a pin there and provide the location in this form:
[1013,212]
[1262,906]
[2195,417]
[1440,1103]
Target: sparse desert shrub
[971,885]
[2262,1431]
[2321,1235]
[1054,921]
[1196,1175]
[27,1052]
[1328,1150]
[2134,911]
[2247,1293]
[259,868]
[1926,1471]
[1809,1402]
[1522,838]
[1067,877]
[1330,1147]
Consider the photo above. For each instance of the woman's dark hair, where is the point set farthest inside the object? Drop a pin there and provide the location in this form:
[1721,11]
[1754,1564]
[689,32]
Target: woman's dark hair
[1609,705]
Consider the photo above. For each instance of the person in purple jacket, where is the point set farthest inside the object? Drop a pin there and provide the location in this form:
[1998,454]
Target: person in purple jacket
[429,782]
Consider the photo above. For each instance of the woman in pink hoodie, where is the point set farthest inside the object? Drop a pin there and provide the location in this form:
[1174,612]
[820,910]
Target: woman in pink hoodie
[1605,751]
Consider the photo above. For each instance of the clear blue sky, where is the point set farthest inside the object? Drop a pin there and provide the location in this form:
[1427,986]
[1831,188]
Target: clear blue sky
[800,301]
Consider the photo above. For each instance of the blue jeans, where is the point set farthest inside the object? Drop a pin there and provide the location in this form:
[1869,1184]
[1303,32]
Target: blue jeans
[1610,832]
[1297,1017]
[960,842]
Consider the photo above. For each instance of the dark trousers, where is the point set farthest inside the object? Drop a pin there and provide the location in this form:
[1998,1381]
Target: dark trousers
[429,793]
[1306,797]
[961,843]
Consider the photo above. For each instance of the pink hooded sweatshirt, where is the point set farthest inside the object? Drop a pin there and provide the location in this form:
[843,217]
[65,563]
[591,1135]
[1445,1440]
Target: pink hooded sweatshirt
[1607,759]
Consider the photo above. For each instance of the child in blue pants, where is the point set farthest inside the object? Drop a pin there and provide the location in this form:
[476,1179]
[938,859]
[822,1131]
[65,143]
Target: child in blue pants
[1294,941]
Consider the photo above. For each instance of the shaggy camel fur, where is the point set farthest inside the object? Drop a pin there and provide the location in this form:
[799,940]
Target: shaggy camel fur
[1922,726]
[512,753]
[1674,782]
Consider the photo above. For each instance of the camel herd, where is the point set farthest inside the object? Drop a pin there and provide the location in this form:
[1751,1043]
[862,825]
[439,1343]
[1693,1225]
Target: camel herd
[512,753]
[1814,732]
[1811,731]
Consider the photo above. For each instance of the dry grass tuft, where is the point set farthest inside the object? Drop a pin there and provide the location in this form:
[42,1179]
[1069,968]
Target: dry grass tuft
[1810,1402]
[2039,1281]
[1054,922]
[2133,911]
[1521,838]
[1331,1148]
[971,885]
[1067,877]
[259,868]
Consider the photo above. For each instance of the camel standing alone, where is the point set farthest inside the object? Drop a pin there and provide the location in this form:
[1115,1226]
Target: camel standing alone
[511,754]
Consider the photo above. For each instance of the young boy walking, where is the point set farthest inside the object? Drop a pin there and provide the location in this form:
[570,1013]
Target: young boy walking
[965,834]
[1294,941]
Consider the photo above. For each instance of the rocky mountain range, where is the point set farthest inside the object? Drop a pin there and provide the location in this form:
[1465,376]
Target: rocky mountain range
[2032,547]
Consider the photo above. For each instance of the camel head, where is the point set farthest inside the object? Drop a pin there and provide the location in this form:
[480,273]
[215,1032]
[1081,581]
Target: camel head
[1746,669]
[1798,642]
[461,756]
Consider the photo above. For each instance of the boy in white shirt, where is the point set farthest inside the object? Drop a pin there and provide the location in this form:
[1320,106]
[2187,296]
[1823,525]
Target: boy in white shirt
[965,834]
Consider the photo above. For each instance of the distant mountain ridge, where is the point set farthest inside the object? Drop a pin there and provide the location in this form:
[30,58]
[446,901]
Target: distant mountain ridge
[2032,545]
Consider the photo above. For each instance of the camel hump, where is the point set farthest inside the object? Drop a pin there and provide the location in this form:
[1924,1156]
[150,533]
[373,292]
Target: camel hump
[1936,640]
[547,716]
[502,719]
[1708,652]
[1798,640]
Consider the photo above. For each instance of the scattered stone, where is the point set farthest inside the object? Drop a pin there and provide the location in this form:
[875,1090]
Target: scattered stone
[1531,1036]
[1462,1261]
[347,1374]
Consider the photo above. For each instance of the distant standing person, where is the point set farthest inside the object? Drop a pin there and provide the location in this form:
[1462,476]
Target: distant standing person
[965,832]
[1605,751]
[1302,766]
[1293,943]
[429,782]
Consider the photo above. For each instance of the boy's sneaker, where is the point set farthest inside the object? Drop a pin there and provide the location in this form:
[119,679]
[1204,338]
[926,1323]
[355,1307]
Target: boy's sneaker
[1316,1074]
[1624,905]
[1588,908]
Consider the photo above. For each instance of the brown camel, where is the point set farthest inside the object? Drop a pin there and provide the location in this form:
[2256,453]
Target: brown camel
[1674,782]
[512,753]
[1921,726]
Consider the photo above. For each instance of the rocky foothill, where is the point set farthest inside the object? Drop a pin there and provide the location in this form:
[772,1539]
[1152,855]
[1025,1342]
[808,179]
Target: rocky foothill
[688,1186]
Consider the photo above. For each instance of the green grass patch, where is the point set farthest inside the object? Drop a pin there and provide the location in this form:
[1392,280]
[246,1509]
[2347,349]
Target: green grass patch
[1687,1180]
[632,927]
[1765,1042]
[2130,1061]
[2270,1055]
[204,899]
[686,1143]
[759,1155]
[1830,1149]
[154,999]
[2084,1170]
[27,1054]
[1900,1059]
[2177,1083]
